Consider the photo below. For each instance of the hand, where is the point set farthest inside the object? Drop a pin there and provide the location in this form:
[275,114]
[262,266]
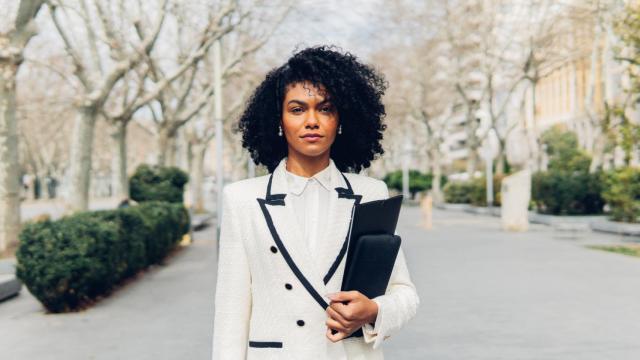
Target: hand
[347,312]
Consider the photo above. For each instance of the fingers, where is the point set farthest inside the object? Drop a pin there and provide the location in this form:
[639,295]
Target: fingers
[345,311]
[339,318]
[344,295]
[337,336]
[333,324]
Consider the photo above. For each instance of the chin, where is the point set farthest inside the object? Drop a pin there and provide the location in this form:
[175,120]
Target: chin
[313,152]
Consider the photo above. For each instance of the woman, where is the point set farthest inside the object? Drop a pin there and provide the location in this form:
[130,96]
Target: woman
[283,235]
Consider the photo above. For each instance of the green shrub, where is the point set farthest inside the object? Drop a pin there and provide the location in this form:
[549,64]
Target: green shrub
[150,183]
[563,150]
[622,193]
[68,263]
[478,191]
[567,193]
[567,188]
[418,181]
[458,192]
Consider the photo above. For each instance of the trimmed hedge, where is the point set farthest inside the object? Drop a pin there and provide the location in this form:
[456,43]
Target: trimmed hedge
[158,183]
[567,192]
[478,195]
[418,181]
[458,192]
[68,263]
[473,191]
[622,194]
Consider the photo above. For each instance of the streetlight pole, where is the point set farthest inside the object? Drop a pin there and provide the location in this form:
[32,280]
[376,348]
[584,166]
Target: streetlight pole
[406,158]
[488,160]
[217,114]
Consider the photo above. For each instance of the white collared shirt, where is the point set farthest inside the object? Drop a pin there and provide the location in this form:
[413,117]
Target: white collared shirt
[310,199]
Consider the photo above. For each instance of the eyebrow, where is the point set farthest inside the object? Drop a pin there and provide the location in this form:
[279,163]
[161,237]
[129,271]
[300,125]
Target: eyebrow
[300,102]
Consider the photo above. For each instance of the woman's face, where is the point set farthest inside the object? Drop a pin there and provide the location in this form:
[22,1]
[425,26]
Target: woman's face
[309,120]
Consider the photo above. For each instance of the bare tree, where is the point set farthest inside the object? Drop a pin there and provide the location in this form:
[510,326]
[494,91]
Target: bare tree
[237,80]
[465,34]
[12,44]
[167,87]
[95,74]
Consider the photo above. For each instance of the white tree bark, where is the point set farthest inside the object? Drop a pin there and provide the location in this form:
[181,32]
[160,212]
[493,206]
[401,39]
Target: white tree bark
[164,147]
[197,175]
[9,182]
[120,180]
[80,158]
[12,45]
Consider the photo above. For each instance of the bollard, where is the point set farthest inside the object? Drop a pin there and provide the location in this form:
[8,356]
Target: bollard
[426,206]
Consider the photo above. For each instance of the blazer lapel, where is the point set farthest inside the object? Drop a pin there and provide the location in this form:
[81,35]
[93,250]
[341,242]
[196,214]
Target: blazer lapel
[278,212]
[333,245]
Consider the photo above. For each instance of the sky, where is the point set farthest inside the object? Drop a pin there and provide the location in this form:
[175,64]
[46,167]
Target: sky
[350,25]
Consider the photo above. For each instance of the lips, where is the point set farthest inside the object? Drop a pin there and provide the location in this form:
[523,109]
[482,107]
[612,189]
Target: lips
[312,137]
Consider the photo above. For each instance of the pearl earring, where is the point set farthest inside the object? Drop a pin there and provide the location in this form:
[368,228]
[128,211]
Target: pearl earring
[279,130]
[340,129]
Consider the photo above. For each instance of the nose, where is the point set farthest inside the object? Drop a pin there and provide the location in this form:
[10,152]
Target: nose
[312,120]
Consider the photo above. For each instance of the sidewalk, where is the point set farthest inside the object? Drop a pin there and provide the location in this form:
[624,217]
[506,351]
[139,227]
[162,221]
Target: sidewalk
[485,294]
[165,314]
[488,294]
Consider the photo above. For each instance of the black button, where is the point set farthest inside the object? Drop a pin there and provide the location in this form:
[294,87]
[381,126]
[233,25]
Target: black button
[288,286]
[274,249]
[300,322]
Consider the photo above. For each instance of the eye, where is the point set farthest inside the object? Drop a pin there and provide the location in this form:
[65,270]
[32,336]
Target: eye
[327,109]
[296,110]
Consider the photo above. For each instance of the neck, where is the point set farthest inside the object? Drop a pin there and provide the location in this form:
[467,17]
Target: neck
[307,166]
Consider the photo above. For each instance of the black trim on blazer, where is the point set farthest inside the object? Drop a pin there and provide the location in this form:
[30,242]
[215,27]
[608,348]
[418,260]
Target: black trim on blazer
[348,194]
[336,262]
[265,344]
[275,199]
[278,199]
[287,257]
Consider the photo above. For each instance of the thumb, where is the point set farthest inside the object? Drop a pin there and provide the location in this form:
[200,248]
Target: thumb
[340,296]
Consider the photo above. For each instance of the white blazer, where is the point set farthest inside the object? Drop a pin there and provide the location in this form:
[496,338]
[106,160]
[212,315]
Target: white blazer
[270,298]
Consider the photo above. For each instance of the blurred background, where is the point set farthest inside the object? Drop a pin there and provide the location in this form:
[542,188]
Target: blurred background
[97,97]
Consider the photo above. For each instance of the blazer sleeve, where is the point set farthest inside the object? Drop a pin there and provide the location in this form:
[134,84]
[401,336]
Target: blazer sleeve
[233,288]
[399,303]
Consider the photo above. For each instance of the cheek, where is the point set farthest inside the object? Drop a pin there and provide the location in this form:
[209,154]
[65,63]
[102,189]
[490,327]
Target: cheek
[289,123]
[331,126]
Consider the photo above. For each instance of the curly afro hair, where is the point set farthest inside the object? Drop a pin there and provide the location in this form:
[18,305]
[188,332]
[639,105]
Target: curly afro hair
[355,89]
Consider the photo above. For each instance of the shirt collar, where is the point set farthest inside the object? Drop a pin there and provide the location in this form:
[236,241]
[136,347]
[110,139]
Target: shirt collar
[297,183]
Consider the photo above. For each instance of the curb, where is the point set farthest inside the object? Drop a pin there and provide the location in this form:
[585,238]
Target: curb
[599,223]
[9,285]
[201,221]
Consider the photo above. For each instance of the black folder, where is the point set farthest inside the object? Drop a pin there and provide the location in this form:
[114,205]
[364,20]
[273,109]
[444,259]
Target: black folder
[372,247]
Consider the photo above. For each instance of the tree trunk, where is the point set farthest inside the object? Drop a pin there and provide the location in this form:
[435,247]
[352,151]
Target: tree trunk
[500,160]
[598,153]
[472,162]
[80,158]
[120,181]
[9,181]
[166,147]
[197,176]
[172,150]
[436,186]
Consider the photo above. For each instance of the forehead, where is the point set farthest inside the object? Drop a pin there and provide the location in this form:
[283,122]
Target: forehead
[305,90]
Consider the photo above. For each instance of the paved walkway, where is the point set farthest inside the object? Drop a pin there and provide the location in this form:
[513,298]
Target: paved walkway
[485,294]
